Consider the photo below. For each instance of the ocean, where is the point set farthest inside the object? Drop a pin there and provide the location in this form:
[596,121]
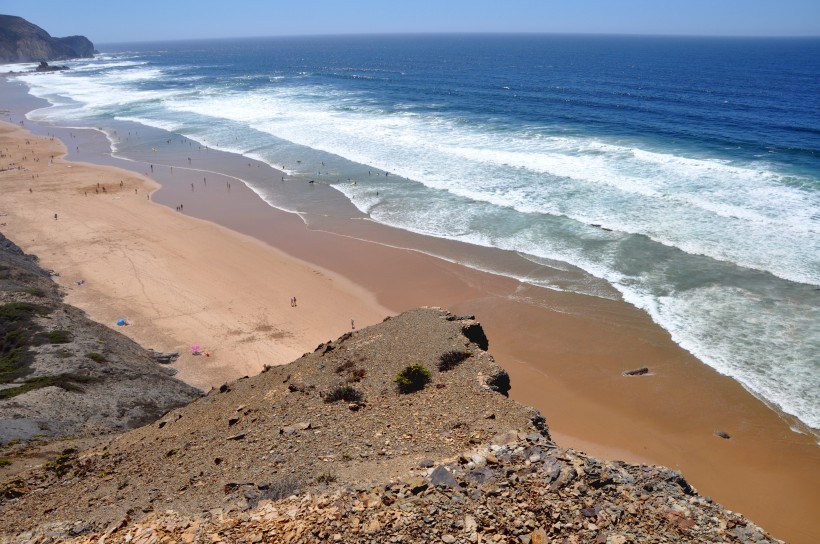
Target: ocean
[679,174]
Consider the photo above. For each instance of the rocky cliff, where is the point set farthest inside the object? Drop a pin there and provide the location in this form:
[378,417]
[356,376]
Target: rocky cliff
[21,41]
[401,432]
[63,375]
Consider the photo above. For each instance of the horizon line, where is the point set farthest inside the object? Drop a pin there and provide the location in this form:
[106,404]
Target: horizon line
[473,33]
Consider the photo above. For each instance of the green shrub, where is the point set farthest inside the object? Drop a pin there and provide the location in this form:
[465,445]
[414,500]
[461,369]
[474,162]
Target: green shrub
[345,393]
[5,462]
[13,364]
[96,357]
[451,359]
[67,382]
[29,385]
[13,489]
[59,337]
[17,332]
[413,378]
[63,463]
[20,311]
[325,478]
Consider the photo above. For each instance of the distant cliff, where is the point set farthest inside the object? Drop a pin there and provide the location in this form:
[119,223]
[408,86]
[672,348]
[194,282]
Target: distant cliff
[21,41]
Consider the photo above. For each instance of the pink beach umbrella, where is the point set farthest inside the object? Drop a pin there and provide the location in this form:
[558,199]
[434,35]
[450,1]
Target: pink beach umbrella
[195,348]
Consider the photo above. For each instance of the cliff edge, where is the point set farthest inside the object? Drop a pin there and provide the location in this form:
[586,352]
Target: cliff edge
[22,41]
[400,432]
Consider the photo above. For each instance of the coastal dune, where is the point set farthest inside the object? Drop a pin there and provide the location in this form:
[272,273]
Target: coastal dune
[181,281]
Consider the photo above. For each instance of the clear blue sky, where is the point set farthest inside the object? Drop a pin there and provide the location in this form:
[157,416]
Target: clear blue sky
[146,20]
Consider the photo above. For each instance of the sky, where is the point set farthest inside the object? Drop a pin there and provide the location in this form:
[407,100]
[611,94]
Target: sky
[111,21]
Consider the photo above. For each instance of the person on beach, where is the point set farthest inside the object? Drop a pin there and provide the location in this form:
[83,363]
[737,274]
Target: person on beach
[55,217]
[352,325]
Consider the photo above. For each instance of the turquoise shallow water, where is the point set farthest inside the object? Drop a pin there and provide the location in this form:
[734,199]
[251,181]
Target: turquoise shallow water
[683,173]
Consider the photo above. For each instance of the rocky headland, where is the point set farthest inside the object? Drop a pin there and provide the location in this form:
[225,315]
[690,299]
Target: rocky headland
[400,432]
[22,41]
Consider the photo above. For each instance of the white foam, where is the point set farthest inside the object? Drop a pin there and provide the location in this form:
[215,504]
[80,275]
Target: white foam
[514,189]
[725,328]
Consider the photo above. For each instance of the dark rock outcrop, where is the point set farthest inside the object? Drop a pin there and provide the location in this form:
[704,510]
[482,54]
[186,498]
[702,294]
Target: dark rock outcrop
[45,67]
[637,371]
[475,333]
[22,41]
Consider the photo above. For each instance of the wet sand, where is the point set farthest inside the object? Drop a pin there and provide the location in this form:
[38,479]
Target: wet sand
[565,352]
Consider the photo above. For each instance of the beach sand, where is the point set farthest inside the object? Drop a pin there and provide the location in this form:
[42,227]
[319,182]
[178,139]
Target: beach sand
[177,281]
[182,280]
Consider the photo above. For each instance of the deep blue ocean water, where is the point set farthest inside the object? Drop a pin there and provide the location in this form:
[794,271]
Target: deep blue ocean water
[683,172]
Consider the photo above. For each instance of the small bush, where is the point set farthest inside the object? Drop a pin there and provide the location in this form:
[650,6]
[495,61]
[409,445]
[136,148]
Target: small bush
[17,332]
[13,489]
[96,357]
[345,393]
[413,378]
[59,337]
[67,382]
[5,462]
[451,359]
[28,385]
[325,478]
[63,463]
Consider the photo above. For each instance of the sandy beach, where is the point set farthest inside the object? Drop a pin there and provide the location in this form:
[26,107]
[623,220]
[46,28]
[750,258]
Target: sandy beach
[221,273]
[118,255]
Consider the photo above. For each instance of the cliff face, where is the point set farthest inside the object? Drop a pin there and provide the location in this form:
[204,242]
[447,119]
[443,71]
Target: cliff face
[63,375]
[21,41]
